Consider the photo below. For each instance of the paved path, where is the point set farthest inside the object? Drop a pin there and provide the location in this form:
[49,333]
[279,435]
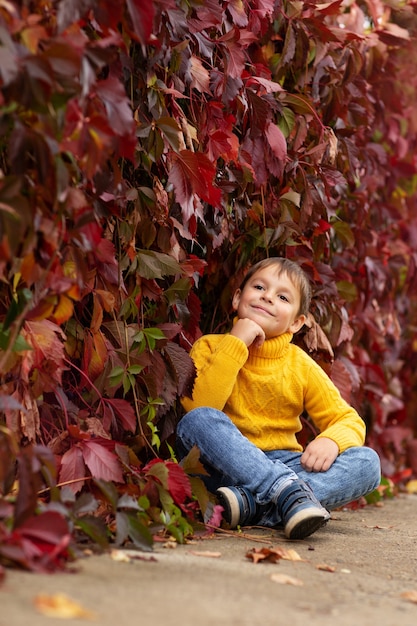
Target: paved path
[352,573]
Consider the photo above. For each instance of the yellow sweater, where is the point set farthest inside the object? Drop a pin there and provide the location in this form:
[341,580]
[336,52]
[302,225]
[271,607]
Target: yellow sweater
[265,390]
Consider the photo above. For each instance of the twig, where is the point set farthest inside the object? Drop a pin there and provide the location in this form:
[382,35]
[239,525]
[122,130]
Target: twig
[240,535]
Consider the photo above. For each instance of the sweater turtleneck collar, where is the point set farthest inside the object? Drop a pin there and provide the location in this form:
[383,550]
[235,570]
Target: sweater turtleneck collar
[273,348]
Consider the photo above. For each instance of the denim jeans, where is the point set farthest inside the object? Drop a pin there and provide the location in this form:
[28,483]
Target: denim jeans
[231,459]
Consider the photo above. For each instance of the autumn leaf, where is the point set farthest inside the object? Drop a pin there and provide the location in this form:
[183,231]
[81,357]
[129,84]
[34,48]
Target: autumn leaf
[323,567]
[193,173]
[411,596]
[101,462]
[141,13]
[61,606]
[72,469]
[273,555]
[123,412]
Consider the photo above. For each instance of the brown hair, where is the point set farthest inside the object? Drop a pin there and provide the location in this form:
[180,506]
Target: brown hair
[294,273]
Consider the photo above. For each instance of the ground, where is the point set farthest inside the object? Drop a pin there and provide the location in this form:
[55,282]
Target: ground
[360,570]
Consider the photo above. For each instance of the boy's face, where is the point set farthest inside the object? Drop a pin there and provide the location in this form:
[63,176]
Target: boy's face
[272,301]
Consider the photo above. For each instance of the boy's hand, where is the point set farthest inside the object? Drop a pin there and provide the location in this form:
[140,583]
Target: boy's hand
[249,332]
[319,455]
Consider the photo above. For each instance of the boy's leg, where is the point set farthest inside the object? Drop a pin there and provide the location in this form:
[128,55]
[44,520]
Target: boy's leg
[355,473]
[235,461]
[230,457]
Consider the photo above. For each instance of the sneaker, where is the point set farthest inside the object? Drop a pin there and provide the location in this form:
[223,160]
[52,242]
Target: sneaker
[301,513]
[239,506]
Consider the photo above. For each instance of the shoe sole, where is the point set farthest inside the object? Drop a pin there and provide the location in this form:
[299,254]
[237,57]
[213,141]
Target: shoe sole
[305,523]
[230,504]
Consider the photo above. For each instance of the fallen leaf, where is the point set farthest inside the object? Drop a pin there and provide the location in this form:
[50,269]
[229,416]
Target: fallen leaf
[411,486]
[325,568]
[61,606]
[273,555]
[126,556]
[283,579]
[212,555]
[411,596]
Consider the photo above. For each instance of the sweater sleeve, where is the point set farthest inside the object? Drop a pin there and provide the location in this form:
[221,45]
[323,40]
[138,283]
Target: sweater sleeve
[218,360]
[332,415]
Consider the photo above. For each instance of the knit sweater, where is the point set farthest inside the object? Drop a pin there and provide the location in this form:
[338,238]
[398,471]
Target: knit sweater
[264,390]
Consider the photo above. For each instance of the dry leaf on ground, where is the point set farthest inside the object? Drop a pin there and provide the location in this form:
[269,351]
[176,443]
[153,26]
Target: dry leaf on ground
[126,556]
[272,555]
[323,567]
[411,596]
[61,606]
[284,579]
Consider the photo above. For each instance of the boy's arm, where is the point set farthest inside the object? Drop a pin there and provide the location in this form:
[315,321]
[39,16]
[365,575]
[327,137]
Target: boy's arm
[333,416]
[218,360]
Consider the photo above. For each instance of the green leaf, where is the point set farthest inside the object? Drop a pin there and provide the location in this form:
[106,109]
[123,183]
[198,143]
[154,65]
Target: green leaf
[20,345]
[155,333]
[180,289]
[140,534]
[116,376]
[94,528]
[170,130]
[286,122]
[344,233]
[135,369]
[109,491]
[347,290]
[153,264]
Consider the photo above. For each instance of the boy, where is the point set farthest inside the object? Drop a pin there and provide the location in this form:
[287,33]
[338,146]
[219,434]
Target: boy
[251,387]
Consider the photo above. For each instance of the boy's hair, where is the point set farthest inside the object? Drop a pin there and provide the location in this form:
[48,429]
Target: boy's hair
[294,273]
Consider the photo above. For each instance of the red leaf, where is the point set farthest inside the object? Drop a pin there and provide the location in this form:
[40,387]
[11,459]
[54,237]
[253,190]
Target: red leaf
[42,542]
[124,411]
[101,462]
[193,173]
[235,56]
[277,141]
[142,13]
[178,483]
[47,528]
[119,111]
[73,468]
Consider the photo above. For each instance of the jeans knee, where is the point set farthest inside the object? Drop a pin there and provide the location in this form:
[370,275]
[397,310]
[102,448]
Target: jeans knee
[374,466]
[195,423]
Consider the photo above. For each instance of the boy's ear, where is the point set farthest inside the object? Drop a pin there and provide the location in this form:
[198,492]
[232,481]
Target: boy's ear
[236,299]
[297,324]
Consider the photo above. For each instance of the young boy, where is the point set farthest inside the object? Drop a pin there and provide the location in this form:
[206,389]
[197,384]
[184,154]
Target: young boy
[251,388]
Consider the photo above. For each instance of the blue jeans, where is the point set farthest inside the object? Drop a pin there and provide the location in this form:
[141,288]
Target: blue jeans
[231,459]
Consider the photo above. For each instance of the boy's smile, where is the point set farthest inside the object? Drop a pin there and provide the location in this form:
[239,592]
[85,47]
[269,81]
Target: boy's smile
[272,301]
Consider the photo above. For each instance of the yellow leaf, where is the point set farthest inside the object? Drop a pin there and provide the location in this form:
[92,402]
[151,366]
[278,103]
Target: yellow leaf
[411,486]
[63,310]
[61,606]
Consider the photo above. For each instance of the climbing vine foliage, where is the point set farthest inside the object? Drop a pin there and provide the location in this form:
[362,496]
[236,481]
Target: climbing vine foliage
[150,151]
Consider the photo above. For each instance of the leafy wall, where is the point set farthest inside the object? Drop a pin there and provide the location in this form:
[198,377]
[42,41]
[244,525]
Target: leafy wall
[150,151]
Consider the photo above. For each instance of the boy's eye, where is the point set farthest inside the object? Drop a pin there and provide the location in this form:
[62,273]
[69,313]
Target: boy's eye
[258,287]
[283,298]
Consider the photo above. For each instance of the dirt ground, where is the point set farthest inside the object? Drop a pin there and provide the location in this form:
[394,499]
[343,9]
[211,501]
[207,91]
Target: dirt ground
[360,570]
